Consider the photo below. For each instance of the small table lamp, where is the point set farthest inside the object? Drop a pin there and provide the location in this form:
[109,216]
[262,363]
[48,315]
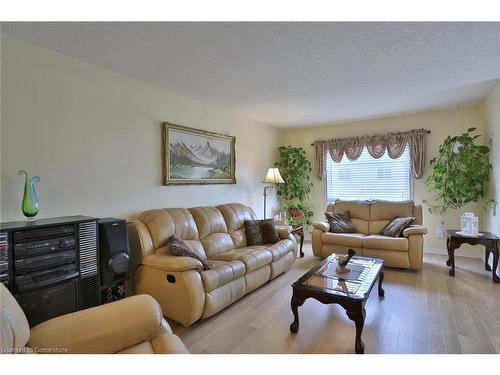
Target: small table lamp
[273,177]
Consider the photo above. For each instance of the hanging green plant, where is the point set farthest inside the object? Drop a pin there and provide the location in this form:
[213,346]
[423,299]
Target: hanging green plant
[460,173]
[295,169]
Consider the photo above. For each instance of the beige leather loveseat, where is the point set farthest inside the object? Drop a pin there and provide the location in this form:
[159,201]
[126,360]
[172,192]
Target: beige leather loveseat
[184,290]
[132,325]
[369,218]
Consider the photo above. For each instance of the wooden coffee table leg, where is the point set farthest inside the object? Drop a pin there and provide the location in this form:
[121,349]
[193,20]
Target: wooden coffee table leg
[486,259]
[296,301]
[357,314]
[381,291]
[494,250]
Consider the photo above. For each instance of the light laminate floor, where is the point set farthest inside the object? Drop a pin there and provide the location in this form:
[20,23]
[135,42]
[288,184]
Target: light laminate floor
[425,312]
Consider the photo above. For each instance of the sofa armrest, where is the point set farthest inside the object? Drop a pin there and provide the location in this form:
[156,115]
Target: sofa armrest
[414,229]
[103,329]
[284,231]
[172,263]
[322,225]
[140,241]
[168,343]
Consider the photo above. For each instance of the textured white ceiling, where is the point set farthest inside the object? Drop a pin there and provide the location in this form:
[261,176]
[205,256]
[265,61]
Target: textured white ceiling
[292,74]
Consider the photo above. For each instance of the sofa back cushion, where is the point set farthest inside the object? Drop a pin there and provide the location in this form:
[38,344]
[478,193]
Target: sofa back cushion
[165,222]
[235,215]
[212,230]
[383,212]
[360,213]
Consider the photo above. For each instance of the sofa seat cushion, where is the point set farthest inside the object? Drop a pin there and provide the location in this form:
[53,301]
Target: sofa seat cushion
[377,241]
[222,273]
[343,239]
[254,257]
[281,248]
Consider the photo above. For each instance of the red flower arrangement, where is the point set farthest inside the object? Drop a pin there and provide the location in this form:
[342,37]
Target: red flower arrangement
[296,213]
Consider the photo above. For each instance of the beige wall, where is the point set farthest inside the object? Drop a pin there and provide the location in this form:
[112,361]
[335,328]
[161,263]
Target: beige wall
[441,123]
[94,138]
[492,128]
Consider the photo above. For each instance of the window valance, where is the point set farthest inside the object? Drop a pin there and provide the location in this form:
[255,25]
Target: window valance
[376,145]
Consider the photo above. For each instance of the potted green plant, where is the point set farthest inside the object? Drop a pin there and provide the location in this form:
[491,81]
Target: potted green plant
[295,169]
[460,173]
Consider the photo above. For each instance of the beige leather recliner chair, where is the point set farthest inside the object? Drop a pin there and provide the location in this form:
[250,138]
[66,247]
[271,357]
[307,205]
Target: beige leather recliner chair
[184,290]
[370,218]
[132,325]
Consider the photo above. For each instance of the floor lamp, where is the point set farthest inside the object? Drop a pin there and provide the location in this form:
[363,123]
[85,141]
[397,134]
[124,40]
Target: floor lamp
[272,178]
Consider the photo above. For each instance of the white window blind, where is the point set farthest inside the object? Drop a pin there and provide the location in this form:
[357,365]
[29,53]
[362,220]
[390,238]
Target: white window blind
[369,178]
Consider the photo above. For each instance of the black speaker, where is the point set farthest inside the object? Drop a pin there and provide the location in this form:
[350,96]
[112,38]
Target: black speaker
[114,252]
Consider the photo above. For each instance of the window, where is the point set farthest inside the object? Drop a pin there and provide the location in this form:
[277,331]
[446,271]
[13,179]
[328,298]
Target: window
[369,178]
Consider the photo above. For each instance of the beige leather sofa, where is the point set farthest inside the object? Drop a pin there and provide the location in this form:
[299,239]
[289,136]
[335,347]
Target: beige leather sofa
[184,290]
[131,325]
[369,218]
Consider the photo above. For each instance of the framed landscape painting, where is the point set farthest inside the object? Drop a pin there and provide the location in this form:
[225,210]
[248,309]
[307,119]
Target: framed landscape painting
[192,156]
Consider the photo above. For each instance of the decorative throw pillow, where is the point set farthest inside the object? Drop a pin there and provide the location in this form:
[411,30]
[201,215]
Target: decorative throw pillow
[253,232]
[396,227]
[269,231]
[340,222]
[261,232]
[179,247]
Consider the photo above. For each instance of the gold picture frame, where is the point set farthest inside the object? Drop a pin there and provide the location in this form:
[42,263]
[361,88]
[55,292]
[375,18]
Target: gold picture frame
[197,157]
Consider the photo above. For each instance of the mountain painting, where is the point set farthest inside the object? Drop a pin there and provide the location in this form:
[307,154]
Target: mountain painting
[193,156]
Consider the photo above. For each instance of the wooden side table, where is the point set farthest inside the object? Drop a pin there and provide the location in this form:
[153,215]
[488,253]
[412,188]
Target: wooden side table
[488,240]
[299,231]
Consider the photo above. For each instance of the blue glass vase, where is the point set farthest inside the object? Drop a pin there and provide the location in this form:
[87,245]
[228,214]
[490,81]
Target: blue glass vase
[30,200]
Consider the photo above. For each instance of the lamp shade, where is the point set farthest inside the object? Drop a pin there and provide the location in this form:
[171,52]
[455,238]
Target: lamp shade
[273,176]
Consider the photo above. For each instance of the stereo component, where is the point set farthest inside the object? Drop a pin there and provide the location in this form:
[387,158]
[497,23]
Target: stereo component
[49,302]
[47,246]
[52,265]
[57,231]
[37,280]
[114,258]
[89,263]
[4,259]
[41,262]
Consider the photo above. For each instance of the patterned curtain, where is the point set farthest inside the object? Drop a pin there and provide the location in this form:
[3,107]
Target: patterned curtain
[417,150]
[376,145]
[394,143]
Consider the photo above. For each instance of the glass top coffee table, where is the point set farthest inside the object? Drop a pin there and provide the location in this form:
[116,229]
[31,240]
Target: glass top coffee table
[349,290]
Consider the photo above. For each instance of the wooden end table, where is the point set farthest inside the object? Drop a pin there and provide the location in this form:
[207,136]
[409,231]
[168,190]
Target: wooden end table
[322,284]
[299,231]
[488,240]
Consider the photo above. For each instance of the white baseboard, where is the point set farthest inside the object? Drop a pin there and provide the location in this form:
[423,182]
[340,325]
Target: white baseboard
[458,252]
